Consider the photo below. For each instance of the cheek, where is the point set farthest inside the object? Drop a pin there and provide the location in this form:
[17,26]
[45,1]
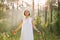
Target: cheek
[27,14]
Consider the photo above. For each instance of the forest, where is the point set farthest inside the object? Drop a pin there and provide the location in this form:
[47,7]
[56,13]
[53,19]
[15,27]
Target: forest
[46,14]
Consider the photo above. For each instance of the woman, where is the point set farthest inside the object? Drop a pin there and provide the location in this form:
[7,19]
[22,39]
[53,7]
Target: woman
[27,25]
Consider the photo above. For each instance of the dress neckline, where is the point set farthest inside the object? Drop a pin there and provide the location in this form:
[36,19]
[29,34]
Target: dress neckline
[27,18]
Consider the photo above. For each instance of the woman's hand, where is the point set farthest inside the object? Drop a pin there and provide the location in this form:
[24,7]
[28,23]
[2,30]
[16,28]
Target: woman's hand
[14,32]
[39,32]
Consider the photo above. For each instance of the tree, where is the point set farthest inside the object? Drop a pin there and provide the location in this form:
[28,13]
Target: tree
[58,19]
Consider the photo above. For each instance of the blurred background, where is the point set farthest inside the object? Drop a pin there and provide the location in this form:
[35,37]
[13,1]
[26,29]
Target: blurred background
[46,14]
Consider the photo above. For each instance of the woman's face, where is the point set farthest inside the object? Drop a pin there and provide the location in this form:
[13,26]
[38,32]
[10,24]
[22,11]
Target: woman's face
[26,13]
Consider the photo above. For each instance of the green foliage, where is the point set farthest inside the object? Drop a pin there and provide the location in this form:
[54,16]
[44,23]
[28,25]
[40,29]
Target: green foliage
[58,23]
[3,22]
[2,15]
[6,31]
[2,6]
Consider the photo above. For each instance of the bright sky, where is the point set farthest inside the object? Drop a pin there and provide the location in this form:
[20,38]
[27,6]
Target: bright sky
[36,1]
[41,2]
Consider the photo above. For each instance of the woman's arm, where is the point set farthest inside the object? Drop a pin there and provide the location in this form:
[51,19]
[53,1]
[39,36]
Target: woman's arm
[20,25]
[35,27]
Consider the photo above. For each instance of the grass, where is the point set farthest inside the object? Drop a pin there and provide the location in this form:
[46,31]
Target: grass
[43,36]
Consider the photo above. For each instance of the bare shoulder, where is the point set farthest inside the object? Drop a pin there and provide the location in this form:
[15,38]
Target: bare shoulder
[31,18]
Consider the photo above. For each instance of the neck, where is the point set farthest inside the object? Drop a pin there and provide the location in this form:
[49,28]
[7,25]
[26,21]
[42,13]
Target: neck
[27,17]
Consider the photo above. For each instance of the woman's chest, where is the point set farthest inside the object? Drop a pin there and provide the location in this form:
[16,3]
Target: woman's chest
[27,21]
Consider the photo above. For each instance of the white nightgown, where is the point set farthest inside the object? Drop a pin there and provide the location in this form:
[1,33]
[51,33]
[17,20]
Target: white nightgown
[27,29]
